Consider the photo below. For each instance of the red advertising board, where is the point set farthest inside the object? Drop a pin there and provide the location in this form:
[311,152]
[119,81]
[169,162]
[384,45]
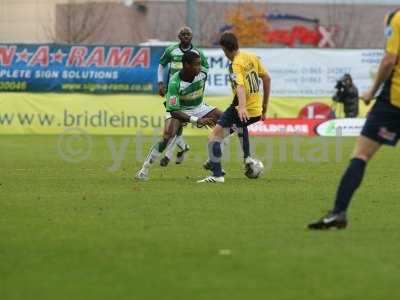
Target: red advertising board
[285,127]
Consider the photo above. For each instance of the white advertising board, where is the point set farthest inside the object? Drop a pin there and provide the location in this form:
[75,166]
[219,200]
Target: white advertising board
[341,127]
[300,72]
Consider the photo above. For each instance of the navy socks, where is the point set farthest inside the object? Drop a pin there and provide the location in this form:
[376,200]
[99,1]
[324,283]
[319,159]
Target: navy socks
[351,180]
[215,154]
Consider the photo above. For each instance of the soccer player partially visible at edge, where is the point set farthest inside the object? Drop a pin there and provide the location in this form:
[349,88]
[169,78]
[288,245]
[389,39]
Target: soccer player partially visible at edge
[381,128]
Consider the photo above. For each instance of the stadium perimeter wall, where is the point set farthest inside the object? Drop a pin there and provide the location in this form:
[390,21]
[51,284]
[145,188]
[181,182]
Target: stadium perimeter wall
[111,22]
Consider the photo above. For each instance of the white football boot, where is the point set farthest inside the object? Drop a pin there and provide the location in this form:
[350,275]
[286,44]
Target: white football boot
[143,174]
[212,179]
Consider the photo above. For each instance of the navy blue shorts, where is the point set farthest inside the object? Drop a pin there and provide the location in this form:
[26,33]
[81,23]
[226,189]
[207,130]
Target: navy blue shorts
[383,124]
[231,117]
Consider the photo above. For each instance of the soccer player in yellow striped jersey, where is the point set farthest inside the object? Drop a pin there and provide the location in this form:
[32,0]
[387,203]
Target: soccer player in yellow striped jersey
[382,126]
[244,72]
[248,106]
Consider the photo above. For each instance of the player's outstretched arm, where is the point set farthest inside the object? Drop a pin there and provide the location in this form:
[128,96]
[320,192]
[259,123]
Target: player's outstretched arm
[241,94]
[200,122]
[181,116]
[385,70]
[160,79]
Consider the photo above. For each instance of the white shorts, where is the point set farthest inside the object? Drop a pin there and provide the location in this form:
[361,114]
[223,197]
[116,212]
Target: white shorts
[199,111]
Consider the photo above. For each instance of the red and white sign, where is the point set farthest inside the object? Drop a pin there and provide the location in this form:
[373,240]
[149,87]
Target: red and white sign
[284,127]
[297,34]
[327,36]
[316,110]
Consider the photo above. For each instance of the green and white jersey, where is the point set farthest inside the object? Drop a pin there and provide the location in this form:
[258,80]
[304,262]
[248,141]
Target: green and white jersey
[173,56]
[184,95]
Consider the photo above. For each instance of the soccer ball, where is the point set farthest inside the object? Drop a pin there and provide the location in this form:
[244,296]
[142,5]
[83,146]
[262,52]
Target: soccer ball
[254,169]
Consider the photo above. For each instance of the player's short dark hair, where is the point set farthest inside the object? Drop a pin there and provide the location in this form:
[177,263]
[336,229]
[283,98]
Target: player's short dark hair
[185,29]
[189,57]
[229,41]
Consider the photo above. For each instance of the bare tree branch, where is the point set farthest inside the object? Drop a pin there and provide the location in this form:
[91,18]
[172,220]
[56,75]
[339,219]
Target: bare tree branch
[79,22]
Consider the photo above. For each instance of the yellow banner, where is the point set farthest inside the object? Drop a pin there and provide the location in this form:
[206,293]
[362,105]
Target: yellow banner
[28,113]
[309,108]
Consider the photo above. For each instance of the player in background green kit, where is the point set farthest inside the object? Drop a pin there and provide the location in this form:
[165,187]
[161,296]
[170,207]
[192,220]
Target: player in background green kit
[172,58]
[185,103]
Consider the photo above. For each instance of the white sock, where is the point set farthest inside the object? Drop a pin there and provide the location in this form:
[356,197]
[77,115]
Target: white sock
[171,148]
[180,142]
[224,143]
[152,157]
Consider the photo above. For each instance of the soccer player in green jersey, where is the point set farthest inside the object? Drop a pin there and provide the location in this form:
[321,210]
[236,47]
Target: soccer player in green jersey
[185,103]
[172,57]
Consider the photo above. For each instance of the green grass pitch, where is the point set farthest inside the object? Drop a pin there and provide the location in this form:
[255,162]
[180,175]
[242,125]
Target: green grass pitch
[88,231]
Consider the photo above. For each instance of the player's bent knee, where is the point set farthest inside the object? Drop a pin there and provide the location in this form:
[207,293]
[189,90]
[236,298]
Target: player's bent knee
[362,157]
[167,136]
[170,130]
[361,152]
[217,133]
[365,148]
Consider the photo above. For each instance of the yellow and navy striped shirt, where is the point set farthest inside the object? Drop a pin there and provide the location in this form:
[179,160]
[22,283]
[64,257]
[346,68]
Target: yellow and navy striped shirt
[245,70]
[391,88]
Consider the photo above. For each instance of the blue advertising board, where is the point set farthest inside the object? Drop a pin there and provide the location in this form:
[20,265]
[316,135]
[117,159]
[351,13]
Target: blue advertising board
[78,68]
